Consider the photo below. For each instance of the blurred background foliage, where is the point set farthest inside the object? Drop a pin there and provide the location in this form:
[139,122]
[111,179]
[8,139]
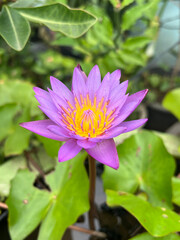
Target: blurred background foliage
[40,38]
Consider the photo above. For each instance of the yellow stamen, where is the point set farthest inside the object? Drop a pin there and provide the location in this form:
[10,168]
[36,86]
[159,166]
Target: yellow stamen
[87,118]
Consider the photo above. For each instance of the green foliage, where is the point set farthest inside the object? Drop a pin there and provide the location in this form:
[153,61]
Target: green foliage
[15,18]
[144,184]
[58,17]
[142,9]
[176,190]
[18,141]
[51,146]
[17,104]
[171,143]
[145,164]
[147,236]
[8,171]
[172,102]
[57,209]
[157,221]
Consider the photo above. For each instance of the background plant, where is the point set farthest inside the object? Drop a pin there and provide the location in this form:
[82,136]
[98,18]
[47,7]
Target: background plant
[119,34]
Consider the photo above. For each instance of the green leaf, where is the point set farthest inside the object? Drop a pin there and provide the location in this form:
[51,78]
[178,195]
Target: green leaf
[157,221]
[27,205]
[144,164]
[8,171]
[7,112]
[125,3]
[51,146]
[171,143]
[134,43]
[35,3]
[18,92]
[135,12]
[58,17]
[71,197]
[147,236]
[116,3]
[132,57]
[14,28]
[18,141]
[176,190]
[172,102]
[58,209]
[45,162]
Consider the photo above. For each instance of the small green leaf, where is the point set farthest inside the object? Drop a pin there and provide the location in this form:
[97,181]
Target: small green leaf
[147,236]
[172,102]
[8,171]
[144,164]
[27,205]
[135,12]
[132,57]
[134,43]
[157,221]
[58,17]
[18,141]
[14,28]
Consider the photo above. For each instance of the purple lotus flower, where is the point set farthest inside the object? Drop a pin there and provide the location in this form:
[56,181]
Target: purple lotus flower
[89,116]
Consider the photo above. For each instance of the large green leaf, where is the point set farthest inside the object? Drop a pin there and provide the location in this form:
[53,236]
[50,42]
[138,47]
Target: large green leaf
[157,221]
[14,28]
[144,164]
[58,17]
[27,205]
[58,209]
[70,187]
[18,141]
[172,102]
[147,236]
[8,171]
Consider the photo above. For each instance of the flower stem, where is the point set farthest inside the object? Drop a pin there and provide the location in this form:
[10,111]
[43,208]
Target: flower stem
[92,184]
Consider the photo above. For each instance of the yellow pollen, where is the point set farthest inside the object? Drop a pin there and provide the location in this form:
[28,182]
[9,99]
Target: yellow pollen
[88,118]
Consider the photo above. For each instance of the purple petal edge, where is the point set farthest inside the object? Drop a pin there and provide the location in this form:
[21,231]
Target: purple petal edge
[69,150]
[40,127]
[106,153]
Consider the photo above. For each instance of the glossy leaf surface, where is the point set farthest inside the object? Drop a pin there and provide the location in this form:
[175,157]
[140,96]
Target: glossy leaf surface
[157,221]
[14,28]
[144,164]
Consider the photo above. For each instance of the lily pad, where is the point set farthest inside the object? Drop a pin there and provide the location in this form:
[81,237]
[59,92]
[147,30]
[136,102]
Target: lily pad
[56,209]
[145,165]
[157,221]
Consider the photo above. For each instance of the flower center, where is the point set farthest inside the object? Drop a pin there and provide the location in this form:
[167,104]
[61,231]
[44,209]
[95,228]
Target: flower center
[87,118]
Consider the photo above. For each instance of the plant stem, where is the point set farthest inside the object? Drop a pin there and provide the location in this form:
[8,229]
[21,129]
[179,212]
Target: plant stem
[92,184]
